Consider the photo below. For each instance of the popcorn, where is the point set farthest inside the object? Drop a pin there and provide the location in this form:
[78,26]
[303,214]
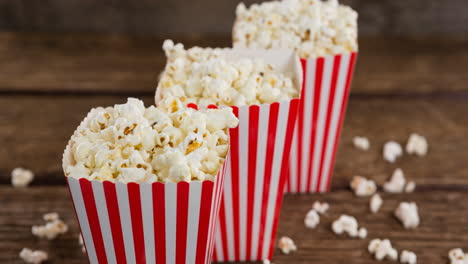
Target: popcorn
[410,186]
[313,28]
[362,186]
[375,203]
[361,143]
[170,143]
[81,243]
[407,213]
[266,261]
[349,225]
[457,256]
[33,256]
[321,208]
[382,249]
[312,219]
[416,145]
[52,228]
[210,76]
[286,245]
[21,177]
[397,182]
[408,257]
[391,151]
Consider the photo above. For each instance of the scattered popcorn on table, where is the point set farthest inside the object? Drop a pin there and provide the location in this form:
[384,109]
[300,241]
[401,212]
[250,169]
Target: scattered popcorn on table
[416,145]
[410,187]
[382,249]
[349,225]
[312,219]
[33,256]
[313,28]
[408,257]
[457,256]
[361,143]
[170,143]
[21,177]
[320,207]
[286,245]
[391,151]
[375,203]
[209,76]
[407,213]
[51,229]
[362,186]
[397,182]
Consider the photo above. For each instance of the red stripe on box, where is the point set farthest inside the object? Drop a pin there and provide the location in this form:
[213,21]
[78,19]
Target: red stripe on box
[93,219]
[343,108]
[300,131]
[183,189]
[331,102]
[134,199]
[270,148]
[159,216]
[115,221]
[235,183]
[204,221]
[219,184]
[292,116]
[252,158]
[315,111]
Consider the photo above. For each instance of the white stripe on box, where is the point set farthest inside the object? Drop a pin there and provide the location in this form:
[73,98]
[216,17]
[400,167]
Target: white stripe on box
[262,138]
[101,206]
[193,220]
[228,211]
[337,103]
[243,171]
[125,217]
[218,243]
[77,197]
[322,116]
[170,197]
[293,161]
[275,176]
[146,194]
[219,184]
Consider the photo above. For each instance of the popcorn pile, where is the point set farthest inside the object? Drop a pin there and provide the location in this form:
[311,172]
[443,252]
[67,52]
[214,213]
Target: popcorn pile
[208,76]
[131,143]
[314,28]
[52,228]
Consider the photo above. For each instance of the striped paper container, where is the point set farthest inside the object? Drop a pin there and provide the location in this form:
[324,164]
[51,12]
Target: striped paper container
[147,222]
[326,84]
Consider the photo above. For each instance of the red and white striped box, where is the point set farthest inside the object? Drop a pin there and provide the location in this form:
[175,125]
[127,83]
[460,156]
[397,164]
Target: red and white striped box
[325,90]
[147,222]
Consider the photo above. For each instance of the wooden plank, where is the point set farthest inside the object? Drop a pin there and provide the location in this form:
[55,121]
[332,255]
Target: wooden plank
[92,64]
[444,225]
[34,131]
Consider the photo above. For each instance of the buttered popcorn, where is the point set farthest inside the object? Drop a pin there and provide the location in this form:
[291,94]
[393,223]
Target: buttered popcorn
[314,28]
[131,143]
[208,76]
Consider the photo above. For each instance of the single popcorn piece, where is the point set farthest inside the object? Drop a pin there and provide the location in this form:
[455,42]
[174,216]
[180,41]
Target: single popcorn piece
[286,245]
[361,143]
[320,207]
[416,145]
[361,186]
[397,182]
[51,229]
[169,143]
[313,28]
[33,256]
[391,151]
[375,203]
[21,177]
[312,219]
[457,256]
[362,233]
[410,187]
[408,257]
[408,215]
[266,261]
[382,249]
[349,225]
[211,76]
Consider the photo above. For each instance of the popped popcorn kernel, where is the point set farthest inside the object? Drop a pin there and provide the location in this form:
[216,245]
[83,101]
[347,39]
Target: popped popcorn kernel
[397,182]
[362,233]
[320,207]
[21,177]
[33,256]
[391,151]
[53,227]
[457,256]
[286,245]
[375,203]
[416,144]
[382,249]
[408,257]
[362,186]
[349,225]
[410,187]
[312,219]
[361,143]
[408,215]
[267,261]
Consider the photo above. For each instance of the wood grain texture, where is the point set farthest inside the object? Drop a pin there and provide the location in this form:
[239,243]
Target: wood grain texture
[92,64]
[444,225]
[34,131]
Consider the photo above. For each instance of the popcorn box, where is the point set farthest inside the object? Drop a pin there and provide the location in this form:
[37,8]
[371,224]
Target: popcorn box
[147,222]
[257,169]
[324,95]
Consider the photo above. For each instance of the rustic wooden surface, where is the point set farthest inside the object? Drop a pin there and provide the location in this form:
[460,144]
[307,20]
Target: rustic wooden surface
[417,87]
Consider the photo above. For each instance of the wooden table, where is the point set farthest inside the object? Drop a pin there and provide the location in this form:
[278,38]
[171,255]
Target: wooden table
[48,83]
